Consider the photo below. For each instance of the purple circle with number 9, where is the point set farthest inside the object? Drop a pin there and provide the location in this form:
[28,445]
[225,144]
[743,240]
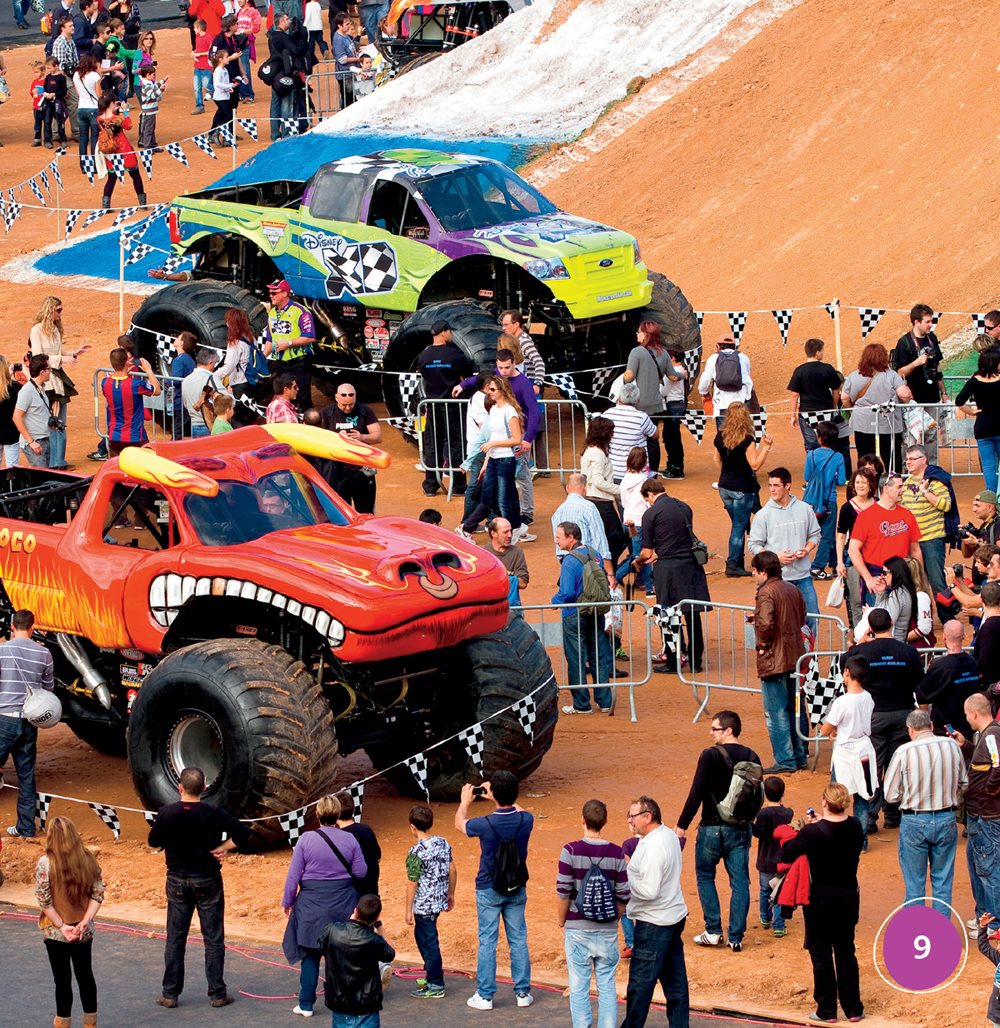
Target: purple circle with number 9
[922,948]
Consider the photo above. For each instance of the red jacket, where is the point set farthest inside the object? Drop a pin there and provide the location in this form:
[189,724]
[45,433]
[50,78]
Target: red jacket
[795,888]
[211,13]
[122,145]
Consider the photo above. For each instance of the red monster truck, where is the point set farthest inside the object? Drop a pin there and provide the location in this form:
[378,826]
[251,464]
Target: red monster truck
[214,603]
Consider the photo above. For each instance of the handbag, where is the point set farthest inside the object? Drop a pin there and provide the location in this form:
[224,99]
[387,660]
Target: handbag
[835,594]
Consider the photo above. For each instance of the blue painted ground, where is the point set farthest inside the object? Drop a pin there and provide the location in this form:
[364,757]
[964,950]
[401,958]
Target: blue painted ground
[294,159]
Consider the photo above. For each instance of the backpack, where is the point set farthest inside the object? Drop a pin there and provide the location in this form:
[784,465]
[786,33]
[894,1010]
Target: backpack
[596,587]
[510,872]
[819,487]
[728,371]
[106,141]
[256,368]
[745,796]
[595,896]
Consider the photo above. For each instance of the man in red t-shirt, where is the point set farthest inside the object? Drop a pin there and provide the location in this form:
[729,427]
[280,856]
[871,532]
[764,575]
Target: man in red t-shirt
[886,529]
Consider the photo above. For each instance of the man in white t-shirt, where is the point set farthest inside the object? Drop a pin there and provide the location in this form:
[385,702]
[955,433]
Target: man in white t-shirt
[849,721]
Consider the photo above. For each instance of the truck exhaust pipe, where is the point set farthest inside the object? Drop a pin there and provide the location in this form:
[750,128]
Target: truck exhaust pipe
[95,682]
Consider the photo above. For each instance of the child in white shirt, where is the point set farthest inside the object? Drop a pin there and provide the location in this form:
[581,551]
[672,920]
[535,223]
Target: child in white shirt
[314,26]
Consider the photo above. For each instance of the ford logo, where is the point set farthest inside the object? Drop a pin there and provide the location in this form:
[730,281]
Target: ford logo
[606,263]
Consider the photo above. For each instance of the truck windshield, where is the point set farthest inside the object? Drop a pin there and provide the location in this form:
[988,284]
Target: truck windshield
[480,196]
[244,511]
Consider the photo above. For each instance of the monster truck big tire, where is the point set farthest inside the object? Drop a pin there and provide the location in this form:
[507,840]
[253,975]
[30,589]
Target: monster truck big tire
[670,309]
[249,715]
[473,331]
[104,736]
[417,62]
[199,307]
[489,674]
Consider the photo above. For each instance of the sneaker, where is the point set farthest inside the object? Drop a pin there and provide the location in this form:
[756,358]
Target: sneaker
[650,594]
[428,992]
[765,924]
[570,709]
[222,1001]
[734,571]
[386,975]
[15,834]
[604,710]
[302,1013]
[620,654]
[824,1020]
[525,999]
[707,939]
[736,947]
[780,933]
[776,769]
[821,576]
[627,953]
[972,924]
[97,455]
[528,537]
[459,531]
[166,1001]
[478,1002]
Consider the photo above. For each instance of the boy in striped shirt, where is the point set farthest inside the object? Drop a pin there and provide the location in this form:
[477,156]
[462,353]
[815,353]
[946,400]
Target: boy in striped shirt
[149,105]
[123,394]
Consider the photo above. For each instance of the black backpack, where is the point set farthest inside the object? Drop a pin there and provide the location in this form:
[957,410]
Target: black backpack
[728,371]
[745,795]
[510,872]
[595,895]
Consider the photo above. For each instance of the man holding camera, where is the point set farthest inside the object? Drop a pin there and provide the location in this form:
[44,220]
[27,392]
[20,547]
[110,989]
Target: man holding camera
[357,422]
[197,390]
[33,414]
[917,357]
[984,510]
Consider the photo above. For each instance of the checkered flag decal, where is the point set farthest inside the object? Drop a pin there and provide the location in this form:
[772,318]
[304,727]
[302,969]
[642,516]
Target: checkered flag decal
[54,168]
[831,309]
[123,215]
[784,320]
[201,141]
[417,766]
[563,381]
[37,190]
[820,692]
[694,422]
[176,151]
[669,620]
[249,126]
[737,322]
[870,317]
[759,423]
[700,315]
[149,816]
[526,713]
[290,125]
[109,816]
[140,251]
[72,217]
[409,390]
[293,823]
[42,804]
[357,791]
[474,742]
[92,217]
[602,376]
[692,358]
[146,156]
[11,211]
[979,320]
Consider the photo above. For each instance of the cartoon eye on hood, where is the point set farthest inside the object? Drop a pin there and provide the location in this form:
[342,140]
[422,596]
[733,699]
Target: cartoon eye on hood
[434,582]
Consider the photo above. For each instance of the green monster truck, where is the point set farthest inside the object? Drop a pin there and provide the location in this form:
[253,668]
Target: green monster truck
[381,246]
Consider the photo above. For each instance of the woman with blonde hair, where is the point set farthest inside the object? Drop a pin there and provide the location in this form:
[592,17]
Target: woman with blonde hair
[320,887]
[10,437]
[46,337]
[739,458]
[69,891]
[921,632]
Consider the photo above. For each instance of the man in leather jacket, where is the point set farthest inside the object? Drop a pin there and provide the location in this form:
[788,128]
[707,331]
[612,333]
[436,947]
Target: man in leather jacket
[353,951]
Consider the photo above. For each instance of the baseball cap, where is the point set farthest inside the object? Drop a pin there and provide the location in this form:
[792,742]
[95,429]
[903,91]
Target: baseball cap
[279,286]
[987,496]
[438,327]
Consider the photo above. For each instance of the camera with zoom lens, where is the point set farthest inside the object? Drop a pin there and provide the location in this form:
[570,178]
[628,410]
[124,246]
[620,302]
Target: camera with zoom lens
[968,529]
[56,424]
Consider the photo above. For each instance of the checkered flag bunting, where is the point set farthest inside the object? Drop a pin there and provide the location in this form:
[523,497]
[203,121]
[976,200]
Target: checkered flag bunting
[816,417]
[140,251]
[737,322]
[43,177]
[177,152]
[669,620]
[109,816]
[92,217]
[409,391]
[11,211]
[692,359]
[979,320]
[831,309]
[784,321]
[37,190]
[72,217]
[42,804]
[164,348]
[694,422]
[123,215]
[474,741]
[935,318]
[116,163]
[602,376]
[227,135]
[149,816]
[417,766]
[526,713]
[89,165]
[357,791]
[249,126]
[293,823]
[290,125]
[404,425]
[759,420]
[173,262]
[700,315]
[146,156]
[201,141]
[870,317]
[54,168]
[820,692]
[563,381]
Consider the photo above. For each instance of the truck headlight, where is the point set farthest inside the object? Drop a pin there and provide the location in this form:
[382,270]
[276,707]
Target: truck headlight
[546,269]
[636,256]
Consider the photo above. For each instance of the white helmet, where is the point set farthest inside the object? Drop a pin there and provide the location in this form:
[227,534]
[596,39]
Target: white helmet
[42,708]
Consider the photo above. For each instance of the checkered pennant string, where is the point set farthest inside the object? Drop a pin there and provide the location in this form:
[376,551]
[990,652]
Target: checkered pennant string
[870,317]
[164,349]
[404,425]
[42,804]
[417,766]
[72,217]
[109,816]
[140,251]
[249,126]
[117,163]
[737,322]
[290,125]
[602,376]
[694,422]
[149,816]
[11,211]
[831,309]
[89,165]
[526,713]
[123,215]
[563,381]
[92,217]
[43,177]
[759,423]
[369,367]
[201,141]
[175,150]
[173,262]
[474,741]
[815,417]
[692,358]
[979,320]
[357,791]
[700,315]
[409,390]
[255,407]
[784,320]
[146,156]
[669,620]
[226,135]
[935,318]
[37,190]
[293,823]
[54,168]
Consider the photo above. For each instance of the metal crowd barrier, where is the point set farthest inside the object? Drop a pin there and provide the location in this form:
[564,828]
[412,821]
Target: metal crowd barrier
[326,92]
[730,657]
[159,428]
[556,450]
[545,619]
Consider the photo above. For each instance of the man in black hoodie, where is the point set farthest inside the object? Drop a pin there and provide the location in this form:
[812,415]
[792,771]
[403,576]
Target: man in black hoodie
[289,53]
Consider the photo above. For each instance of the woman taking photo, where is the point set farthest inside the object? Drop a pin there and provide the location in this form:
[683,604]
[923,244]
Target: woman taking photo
[114,123]
[647,362]
[319,888]
[872,386]
[506,431]
[185,346]
[984,390]
[10,437]
[69,891]
[601,489]
[862,492]
[895,593]
[832,844]
[739,458]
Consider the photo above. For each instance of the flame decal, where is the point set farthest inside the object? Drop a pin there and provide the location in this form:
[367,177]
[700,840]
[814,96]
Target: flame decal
[141,463]
[319,442]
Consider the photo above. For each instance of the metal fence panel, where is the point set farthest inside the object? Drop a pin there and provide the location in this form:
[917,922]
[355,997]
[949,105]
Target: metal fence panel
[324,92]
[159,426]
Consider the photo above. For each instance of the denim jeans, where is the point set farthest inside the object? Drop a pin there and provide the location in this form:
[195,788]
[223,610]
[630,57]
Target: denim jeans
[282,109]
[500,489]
[928,839]
[809,438]
[202,85]
[199,431]
[644,575]
[808,590]
[19,741]
[597,952]
[20,9]
[246,86]
[983,855]
[357,1020]
[474,490]
[490,907]
[57,448]
[37,460]
[184,895]
[12,454]
[86,119]
[586,645]
[628,931]
[769,911]
[658,956]
[826,552]
[731,845]
[371,15]
[778,692]
[989,460]
[308,977]
[739,507]
[933,551]
[425,933]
